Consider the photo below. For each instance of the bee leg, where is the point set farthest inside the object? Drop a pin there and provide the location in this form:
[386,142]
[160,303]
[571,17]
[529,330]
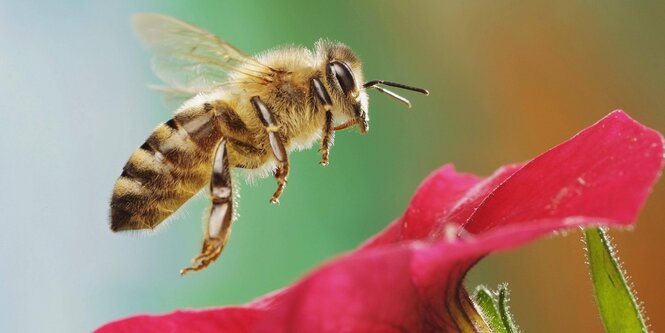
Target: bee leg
[218,228]
[277,144]
[328,136]
[281,174]
[346,125]
[322,94]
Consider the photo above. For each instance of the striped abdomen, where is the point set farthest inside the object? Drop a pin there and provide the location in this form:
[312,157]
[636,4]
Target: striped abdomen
[168,169]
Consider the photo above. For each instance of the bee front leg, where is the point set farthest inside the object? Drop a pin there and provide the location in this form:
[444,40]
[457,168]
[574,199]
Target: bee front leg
[327,136]
[218,227]
[276,143]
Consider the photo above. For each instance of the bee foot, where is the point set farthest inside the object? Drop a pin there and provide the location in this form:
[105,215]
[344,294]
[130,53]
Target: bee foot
[281,184]
[212,248]
[324,156]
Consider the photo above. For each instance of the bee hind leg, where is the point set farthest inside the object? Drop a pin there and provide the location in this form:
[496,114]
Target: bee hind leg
[218,227]
[276,143]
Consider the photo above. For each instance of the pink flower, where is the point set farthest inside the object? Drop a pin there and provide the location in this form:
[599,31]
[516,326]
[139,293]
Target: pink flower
[408,278]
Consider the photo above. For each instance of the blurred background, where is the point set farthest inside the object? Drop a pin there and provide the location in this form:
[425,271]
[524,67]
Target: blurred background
[508,79]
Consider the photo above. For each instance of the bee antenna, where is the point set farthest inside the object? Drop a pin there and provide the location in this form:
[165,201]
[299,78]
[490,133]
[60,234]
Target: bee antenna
[372,84]
[376,85]
[393,95]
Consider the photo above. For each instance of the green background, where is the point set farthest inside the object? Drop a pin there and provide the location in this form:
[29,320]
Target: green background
[508,80]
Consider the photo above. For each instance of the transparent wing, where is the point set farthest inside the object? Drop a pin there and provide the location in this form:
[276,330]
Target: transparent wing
[172,97]
[191,59]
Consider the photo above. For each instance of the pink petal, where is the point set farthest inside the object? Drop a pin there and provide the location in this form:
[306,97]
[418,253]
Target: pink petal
[605,171]
[444,198]
[392,289]
[231,319]
[436,196]
[339,290]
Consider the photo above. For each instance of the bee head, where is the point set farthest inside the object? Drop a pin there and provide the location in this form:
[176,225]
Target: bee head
[345,80]
[344,77]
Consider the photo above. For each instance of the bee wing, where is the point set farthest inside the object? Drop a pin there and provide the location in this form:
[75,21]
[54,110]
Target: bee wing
[189,58]
[173,97]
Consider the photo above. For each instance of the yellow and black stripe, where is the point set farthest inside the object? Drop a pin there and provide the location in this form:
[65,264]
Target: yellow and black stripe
[169,168]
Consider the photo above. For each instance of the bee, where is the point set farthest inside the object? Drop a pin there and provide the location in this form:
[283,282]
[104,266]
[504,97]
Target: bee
[243,112]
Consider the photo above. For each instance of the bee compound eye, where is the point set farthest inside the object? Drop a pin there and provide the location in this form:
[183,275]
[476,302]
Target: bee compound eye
[344,76]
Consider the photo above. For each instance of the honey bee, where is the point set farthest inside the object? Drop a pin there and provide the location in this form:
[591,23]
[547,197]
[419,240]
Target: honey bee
[243,112]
